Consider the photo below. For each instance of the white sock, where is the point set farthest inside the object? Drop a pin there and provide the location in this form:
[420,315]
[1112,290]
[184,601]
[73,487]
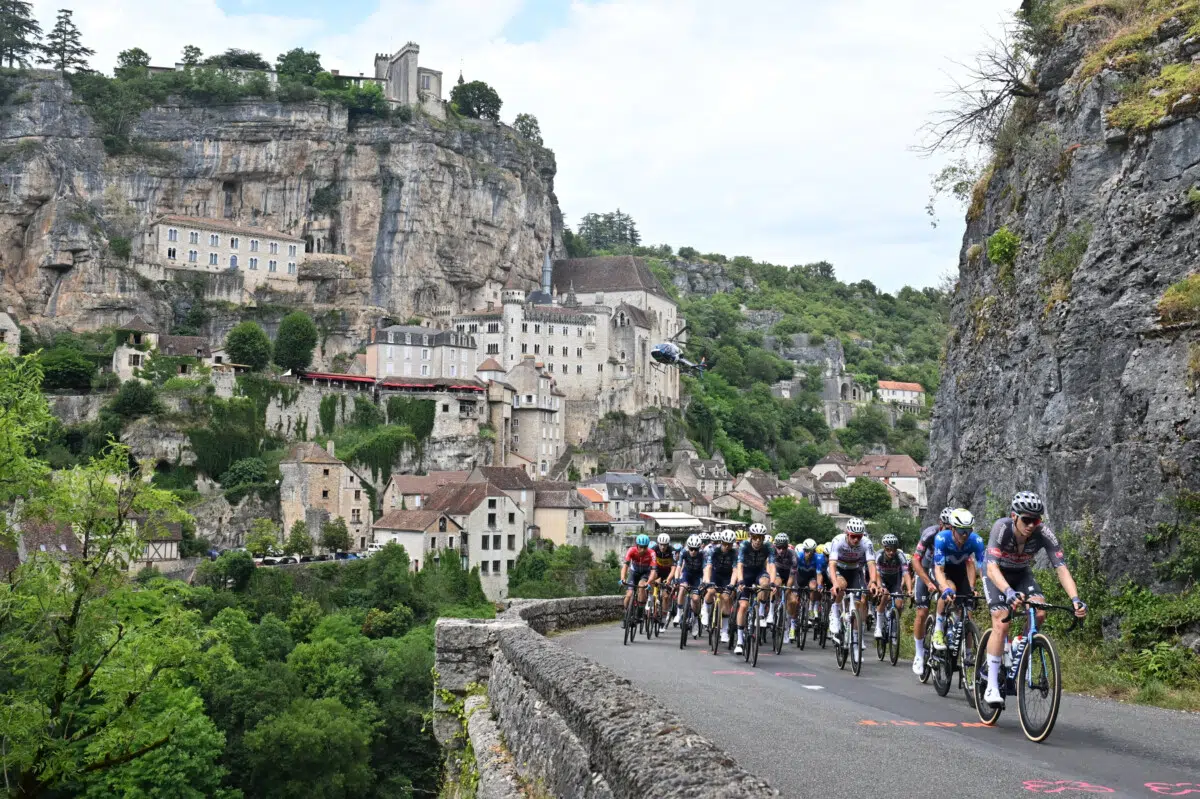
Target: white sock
[993,671]
[941,624]
[919,643]
[741,636]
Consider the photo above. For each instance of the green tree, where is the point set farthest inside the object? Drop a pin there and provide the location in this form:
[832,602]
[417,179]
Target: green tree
[800,520]
[230,571]
[476,100]
[132,63]
[262,538]
[295,341]
[249,345]
[527,126]
[244,472]
[316,748]
[274,638]
[899,523]
[89,657]
[299,542]
[25,420]
[299,65]
[191,55]
[63,48]
[335,537]
[865,498]
[66,368]
[20,33]
[234,58]
[134,399]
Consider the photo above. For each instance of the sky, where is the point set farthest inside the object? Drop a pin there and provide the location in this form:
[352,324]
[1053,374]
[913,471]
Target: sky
[778,129]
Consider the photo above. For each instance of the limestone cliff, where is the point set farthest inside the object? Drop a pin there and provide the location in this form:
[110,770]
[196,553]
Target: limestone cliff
[1059,376]
[415,216]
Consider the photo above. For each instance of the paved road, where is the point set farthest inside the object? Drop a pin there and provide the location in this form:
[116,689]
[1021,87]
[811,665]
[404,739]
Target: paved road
[814,731]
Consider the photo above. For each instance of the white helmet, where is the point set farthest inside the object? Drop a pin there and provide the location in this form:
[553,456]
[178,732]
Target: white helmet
[944,516]
[809,545]
[856,526]
[758,528]
[781,540]
[664,539]
[693,541]
[727,536]
[961,518]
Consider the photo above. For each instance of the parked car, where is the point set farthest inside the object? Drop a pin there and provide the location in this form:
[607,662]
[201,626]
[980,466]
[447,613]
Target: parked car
[282,559]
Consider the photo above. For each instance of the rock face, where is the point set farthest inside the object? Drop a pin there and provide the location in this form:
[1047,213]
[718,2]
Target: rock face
[626,442]
[226,525]
[412,216]
[706,279]
[1058,376]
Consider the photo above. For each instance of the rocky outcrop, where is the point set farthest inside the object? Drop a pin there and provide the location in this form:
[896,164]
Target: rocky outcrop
[73,409]
[706,279]
[417,215]
[226,525]
[1058,376]
[619,441]
[158,441]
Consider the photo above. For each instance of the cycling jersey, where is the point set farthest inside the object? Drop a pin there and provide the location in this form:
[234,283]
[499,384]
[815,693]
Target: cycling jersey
[893,566]
[811,564]
[754,561]
[663,561]
[722,562]
[785,561]
[692,564]
[640,559]
[948,553]
[1002,546]
[924,550]
[848,556]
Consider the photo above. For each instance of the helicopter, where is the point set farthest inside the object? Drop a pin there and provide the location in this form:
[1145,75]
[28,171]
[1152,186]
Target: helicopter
[671,354]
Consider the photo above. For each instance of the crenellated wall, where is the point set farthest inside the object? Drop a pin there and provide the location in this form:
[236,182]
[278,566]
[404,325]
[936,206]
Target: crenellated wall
[572,727]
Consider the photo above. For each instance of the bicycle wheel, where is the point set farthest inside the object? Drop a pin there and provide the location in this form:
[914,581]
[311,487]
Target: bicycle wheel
[822,629]
[751,629]
[966,651]
[856,642]
[987,714]
[943,670]
[893,634]
[881,644]
[929,650]
[840,650]
[780,627]
[651,616]
[752,645]
[1039,688]
[686,626]
[631,627]
[802,623]
[714,626]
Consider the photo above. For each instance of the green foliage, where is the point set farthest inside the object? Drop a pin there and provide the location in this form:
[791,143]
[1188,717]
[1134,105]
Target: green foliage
[865,498]
[1061,261]
[1180,540]
[800,520]
[66,368]
[120,247]
[612,232]
[299,542]
[63,47]
[367,414]
[335,537]
[527,126]
[899,523]
[327,412]
[233,431]
[1181,301]
[160,368]
[325,200]
[544,571]
[295,341]
[263,537]
[298,65]
[132,63]
[1002,247]
[235,58]
[380,450]
[476,100]
[416,414]
[134,399]
[249,345]
[21,33]
[244,471]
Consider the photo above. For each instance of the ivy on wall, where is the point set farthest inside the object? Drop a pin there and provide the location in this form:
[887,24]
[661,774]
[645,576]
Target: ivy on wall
[416,414]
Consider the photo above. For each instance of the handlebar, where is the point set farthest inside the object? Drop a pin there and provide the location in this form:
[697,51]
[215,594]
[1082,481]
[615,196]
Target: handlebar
[1029,603]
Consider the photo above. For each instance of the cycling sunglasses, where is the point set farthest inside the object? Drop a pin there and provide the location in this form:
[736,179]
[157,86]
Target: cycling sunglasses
[1031,520]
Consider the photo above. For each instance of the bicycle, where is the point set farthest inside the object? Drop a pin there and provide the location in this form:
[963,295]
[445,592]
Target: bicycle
[631,623]
[890,643]
[825,607]
[927,669]
[802,618]
[714,628]
[851,631]
[959,655]
[689,617]
[1035,673]
[650,619]
[751,632]
[780,626]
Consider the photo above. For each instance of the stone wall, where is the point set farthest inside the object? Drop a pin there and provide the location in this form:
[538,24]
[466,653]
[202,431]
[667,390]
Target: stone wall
[72,409]
[300,417]
[573,727]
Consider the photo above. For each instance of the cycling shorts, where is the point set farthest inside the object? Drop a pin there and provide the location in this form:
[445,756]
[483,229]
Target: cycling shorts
[920,593]
[892,582]
[750,581]
[805,576]
[692,578]
[1020,580]
[637,575]
[957,575]
[721,579]
[783,575]
[854,578]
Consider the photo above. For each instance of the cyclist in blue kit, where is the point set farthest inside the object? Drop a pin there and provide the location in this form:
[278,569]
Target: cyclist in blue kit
[957,560]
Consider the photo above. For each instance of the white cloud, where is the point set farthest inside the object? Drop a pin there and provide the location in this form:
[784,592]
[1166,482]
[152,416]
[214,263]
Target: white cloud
[778,129]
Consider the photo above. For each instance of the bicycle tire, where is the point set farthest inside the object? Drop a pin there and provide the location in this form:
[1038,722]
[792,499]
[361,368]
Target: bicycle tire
[1040,644]
[751,627]
[881,644]
[822,629]
[966,654]
[856,642]
[894,638]
[686,626]
[714,627]
[631,625]
[927,671]
[943,672]
[802,626]
[752,649]
[777,631]
[651,614]
[987,713]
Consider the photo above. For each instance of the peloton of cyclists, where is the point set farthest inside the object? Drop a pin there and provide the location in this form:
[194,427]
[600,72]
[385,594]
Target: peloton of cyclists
[689,571]
[810,571]
[719,565]
[957,559]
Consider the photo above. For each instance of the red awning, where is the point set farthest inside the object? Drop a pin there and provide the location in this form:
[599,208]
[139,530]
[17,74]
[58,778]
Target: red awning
[331,376]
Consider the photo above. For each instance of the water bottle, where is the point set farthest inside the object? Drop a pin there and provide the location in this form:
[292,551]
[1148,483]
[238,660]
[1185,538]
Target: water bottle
[1017,643]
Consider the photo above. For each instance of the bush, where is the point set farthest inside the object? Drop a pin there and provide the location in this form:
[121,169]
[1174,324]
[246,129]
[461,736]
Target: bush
[1181,302]
[66,368]
[367,414]
[244,472]
[476,99]
[248,344]
[1003,246]
[295,341]
[120,247]
[134,399]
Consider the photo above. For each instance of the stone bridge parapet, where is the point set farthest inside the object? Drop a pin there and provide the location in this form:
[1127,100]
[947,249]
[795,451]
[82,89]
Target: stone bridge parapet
[571,727]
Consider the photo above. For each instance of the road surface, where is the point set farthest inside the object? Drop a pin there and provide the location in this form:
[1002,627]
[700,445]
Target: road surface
[812,730]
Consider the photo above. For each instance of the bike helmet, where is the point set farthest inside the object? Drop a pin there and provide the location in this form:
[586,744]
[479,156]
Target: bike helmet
[856,526]
[741,535]
[694,541]
[822,549]
[677,547]
[809,545]
[643,540]
[664,539]
[731,537]
[758,528]
[781,540]
[1028,502]
[890,540]
[962,519]
[944,517]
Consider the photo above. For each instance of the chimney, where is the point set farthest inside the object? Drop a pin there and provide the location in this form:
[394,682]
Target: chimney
[547,271]
[329,449]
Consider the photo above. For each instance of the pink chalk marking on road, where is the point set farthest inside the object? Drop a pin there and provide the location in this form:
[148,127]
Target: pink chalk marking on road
[733,671]
[1174,788]
[1062,786]
[793,674]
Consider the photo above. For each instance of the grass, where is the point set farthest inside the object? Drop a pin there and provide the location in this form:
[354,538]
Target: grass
[1138,22]
[1181,302]
[1151,99]
[979,193]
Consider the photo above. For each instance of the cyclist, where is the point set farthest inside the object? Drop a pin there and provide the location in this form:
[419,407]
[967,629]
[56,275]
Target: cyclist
[662,569]
[785,569]
[1008,580]
[957,561]
[810,571]
[689,571]
[638,561]
[755,568]
[719,566]
[847,554]
[925,587]
[892,565]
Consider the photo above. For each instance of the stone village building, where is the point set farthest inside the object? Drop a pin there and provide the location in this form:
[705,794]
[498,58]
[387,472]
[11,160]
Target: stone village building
[200,244]
[493,533]
[316,487]
[424,534]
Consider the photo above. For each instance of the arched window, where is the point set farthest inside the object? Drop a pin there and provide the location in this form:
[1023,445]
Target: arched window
[233,262]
